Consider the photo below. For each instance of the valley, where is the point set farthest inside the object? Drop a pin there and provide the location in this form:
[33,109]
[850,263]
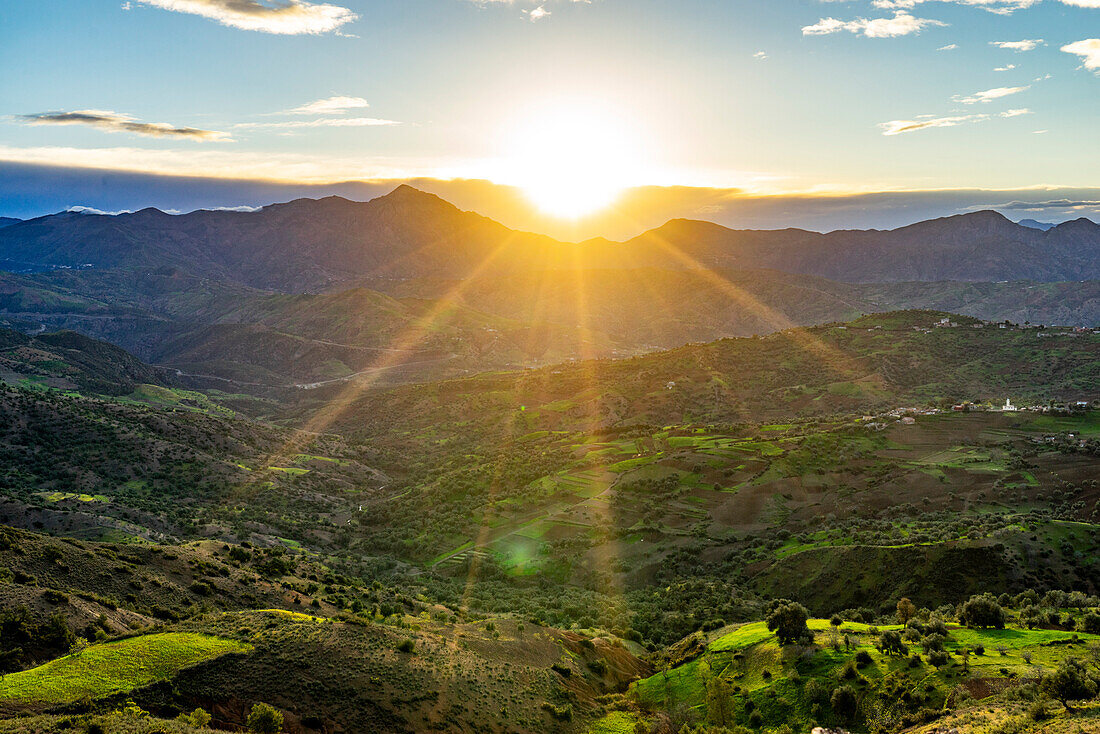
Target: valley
[393,497]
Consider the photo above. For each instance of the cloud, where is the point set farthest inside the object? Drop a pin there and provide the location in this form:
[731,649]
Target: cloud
[1006,67]
[99,212]
[538,13]
[760,56]
[320,122]
[1052,204]
[330,106]
[902,24]
[1088,50]
[117,122]
[897,127]
[1028,44]
[948,47]
[288,17]
[1001,7]
[990,94]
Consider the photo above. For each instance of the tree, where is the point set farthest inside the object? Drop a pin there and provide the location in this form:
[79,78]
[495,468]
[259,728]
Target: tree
[906,610]
[264,719]
[844,702]
[787,619]
[1069,683]
[891,644]
[719,705]
[982,611]
[1090,623]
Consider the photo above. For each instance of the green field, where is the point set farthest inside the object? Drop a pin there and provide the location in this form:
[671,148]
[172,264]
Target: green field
[113,667]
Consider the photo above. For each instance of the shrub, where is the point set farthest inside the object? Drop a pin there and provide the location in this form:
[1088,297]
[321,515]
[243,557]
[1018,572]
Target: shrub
[406,645]
[982,611]
[863,658]
[844,702]
[264,719]
[561,713]
[1069,683]
[756,719]
[938,658]
[788,620]
[1090,623]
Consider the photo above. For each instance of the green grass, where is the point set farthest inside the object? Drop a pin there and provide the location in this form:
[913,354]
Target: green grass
[616,722]
[113,667]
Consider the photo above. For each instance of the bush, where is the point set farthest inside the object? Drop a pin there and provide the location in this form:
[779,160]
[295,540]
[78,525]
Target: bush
[788,620]
[756,719]
[982,611]
[1090,623]
[561,713]
[844,702]
[264,719]
[938,658]
[863,658]
[406,645]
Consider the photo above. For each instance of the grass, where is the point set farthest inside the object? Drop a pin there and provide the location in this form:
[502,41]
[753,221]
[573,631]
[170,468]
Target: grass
[745,655]
[616,722]
[113,667]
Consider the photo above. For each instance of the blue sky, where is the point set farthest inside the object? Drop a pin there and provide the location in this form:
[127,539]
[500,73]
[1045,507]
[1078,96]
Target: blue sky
[772,97]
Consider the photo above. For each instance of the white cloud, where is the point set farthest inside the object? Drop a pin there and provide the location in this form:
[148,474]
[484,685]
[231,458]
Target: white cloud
[330,106]
[990,94]
[1028,44]
[1088,50]
[117,122]
[925,122]
[291,17]
[538,13]
[92,210]
[320,122]
[1006,67]
[902,24]
[1001,7]
[760,56]
[948,47]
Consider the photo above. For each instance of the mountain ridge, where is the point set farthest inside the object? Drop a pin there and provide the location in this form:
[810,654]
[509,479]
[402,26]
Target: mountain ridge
[307,245]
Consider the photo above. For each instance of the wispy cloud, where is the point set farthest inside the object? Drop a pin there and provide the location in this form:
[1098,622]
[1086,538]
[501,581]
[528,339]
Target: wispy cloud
[925,122]
[330,106]
[989,95]
[120,123]
[760,56]
[1006,67]
[1088,50]
[538,13]
[1028,44]
[902,24]
[1001,7]
[289,17]
[948,47]
[319,122]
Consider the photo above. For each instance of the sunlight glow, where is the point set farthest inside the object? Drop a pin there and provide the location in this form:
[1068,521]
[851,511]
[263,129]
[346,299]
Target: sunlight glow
[572,159]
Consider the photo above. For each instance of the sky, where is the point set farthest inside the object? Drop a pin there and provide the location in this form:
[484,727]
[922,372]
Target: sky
[567,100]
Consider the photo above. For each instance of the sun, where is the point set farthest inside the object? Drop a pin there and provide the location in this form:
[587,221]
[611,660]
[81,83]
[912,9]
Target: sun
[571,159]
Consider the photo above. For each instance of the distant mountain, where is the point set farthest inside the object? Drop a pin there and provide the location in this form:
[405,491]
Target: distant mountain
[310,245]
[983,246]
[1036,225]
[5,221]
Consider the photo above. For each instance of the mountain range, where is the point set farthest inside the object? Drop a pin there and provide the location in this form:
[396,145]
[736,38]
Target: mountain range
[310,245]
[407,287]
